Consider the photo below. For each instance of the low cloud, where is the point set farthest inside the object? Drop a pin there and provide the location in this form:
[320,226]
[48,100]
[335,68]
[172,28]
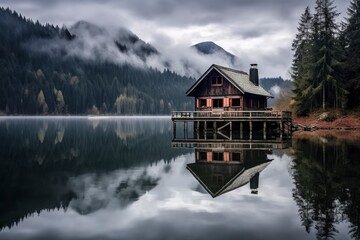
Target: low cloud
[256,31]
[275,90]
[94,43]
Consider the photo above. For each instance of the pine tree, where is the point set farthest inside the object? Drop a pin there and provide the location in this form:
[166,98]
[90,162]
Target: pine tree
[301,65]
[351,44]
[325,53]
[301,41]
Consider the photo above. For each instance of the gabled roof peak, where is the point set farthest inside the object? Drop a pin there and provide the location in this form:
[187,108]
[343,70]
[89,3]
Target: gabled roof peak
[239,79]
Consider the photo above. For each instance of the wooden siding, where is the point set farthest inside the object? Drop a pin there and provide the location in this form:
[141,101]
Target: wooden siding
[227,103]
[227,155]
[254,102]
[206,89]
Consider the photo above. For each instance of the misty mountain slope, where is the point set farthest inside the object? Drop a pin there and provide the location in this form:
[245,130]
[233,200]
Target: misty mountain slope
[94,43]
[122,39]
[212,49]
[127,40]
[48,70]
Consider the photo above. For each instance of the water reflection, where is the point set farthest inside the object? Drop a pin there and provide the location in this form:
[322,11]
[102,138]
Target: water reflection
[220,171]
[326,172]
[106,179]
[221,165]
[48,164]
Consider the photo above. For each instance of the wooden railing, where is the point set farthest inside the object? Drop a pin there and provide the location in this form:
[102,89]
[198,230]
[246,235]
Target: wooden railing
[230,114]
[229,145]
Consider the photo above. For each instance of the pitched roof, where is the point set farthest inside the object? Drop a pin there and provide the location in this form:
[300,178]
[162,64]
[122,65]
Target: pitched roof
[238,78]
[234,175]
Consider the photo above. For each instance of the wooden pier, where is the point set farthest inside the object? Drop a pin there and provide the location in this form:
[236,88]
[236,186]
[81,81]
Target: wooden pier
[231,125]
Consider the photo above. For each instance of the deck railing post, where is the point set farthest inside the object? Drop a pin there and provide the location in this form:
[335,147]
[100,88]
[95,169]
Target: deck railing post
[264,130]
[205,130]
[241,130]
[174,130]
[250,123]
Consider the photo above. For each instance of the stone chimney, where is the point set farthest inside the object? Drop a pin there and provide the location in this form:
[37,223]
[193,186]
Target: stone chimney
[254,74]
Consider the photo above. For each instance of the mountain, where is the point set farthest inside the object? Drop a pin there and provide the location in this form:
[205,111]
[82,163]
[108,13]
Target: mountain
[87,69]
[125,40]
[210,48]
[84,69]
[128,41]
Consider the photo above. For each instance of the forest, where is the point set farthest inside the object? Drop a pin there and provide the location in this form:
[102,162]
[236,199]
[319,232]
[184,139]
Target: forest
[326,61]
[37,83]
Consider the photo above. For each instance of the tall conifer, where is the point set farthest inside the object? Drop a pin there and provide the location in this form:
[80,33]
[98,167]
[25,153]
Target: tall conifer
[325,53]
[351,38]
[301,65]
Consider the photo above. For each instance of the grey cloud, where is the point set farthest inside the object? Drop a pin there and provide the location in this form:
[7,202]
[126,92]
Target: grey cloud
[233,20]
[158,9]
[181,13]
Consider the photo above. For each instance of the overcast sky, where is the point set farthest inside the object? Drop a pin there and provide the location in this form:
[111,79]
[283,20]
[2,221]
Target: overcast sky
[259,31]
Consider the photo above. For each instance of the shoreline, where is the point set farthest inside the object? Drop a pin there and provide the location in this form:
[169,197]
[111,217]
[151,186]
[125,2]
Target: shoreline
[343,135]
[90,117]
[312,123]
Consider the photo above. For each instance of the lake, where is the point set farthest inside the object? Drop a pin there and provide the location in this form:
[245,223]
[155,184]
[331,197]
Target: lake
[122,178]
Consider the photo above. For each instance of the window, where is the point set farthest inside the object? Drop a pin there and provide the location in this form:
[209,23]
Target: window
[218,156]
[217,81]
[217,103]
[202,102]
[236,102]
[202,156]
[236,157]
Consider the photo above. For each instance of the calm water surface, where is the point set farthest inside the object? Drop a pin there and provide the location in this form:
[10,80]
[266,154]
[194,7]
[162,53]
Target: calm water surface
[121,179]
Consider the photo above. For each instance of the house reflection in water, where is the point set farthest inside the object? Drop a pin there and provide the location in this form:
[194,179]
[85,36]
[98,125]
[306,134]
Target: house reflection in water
[223,165]
[222,169]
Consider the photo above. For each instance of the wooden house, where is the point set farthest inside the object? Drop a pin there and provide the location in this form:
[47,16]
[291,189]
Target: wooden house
[230,104]
[225,89]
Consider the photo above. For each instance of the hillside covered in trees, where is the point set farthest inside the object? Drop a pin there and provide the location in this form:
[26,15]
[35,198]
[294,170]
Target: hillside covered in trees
[34,81]
[326,62]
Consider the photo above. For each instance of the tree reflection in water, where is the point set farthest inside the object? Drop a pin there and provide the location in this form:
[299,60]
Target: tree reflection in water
[40,158]
[326,173]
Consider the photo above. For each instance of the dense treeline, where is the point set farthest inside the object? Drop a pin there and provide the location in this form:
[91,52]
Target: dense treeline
[325,66]
[267,83]
[34,82]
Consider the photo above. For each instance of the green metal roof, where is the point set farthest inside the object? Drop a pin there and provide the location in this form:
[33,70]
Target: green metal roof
[238,78]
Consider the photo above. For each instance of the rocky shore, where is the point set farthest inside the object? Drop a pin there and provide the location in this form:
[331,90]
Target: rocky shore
[327,121]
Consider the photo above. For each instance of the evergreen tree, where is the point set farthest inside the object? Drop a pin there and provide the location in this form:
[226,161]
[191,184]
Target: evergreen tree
[326,55]
[301,65]
[316,69]
[351,44]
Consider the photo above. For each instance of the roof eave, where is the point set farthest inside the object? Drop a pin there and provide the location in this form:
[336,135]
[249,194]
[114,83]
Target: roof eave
[188,92]
[213,66]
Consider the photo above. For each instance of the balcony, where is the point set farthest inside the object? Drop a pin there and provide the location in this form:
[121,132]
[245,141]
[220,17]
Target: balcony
[230,115]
